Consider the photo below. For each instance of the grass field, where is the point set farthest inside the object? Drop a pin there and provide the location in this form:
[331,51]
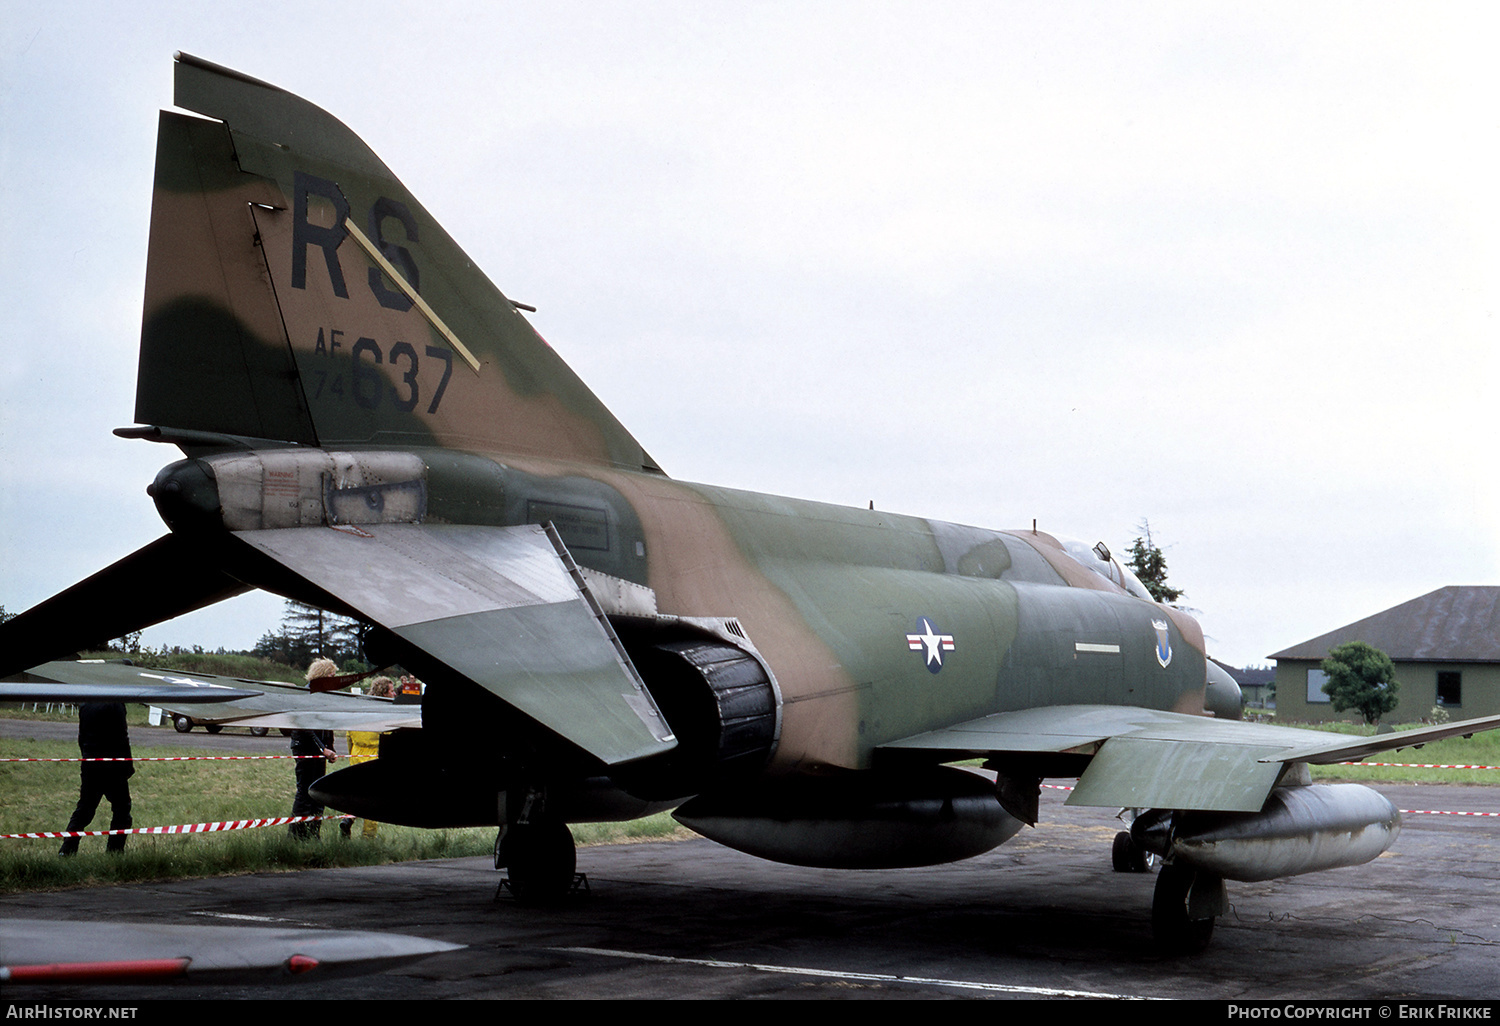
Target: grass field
[1479,750]
[39,796]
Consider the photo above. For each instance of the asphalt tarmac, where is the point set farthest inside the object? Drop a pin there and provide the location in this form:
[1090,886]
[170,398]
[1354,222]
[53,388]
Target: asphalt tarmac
[232,739]
[1042,916]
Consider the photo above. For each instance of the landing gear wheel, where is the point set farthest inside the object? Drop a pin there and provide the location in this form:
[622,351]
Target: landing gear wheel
[181,724]
[1128,857]
[259,731]
[540,858]
[213,728]
[1171,924]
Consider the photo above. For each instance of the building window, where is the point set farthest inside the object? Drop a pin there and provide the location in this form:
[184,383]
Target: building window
[1315,681]
[1450,687]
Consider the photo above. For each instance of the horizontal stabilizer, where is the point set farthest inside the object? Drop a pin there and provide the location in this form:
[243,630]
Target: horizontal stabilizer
[499,606]
[164,579]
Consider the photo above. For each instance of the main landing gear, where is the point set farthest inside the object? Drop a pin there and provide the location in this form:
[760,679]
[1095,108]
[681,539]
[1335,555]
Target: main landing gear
[1184,906]
[1186,900]
[540,859]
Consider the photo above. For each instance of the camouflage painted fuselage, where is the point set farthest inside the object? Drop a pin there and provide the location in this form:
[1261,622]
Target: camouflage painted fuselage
[830,595]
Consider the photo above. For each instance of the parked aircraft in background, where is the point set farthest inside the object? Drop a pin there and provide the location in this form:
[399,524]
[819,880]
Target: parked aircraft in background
[209,699]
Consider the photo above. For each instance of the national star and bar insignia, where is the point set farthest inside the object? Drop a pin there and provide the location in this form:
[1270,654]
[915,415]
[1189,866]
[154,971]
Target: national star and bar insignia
[931,642]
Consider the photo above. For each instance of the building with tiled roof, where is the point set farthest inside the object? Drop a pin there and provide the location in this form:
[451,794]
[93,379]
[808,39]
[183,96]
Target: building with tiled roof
[1254,681]
[1446,647]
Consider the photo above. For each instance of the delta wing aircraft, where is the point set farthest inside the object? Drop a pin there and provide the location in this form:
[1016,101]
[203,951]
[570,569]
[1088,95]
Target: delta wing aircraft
[372,427]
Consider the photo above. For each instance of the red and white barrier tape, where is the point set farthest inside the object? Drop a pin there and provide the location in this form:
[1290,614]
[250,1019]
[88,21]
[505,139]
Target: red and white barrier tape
[187,828]
[1417,765]
[165,758]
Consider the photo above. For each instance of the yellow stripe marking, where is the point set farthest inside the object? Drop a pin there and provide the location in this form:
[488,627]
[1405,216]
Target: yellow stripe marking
[411,293]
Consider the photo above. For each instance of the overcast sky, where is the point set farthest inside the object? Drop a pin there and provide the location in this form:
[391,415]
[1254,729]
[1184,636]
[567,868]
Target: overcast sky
[1229,268]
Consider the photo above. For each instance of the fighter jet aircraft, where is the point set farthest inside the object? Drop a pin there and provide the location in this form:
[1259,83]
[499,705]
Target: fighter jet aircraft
[372,427]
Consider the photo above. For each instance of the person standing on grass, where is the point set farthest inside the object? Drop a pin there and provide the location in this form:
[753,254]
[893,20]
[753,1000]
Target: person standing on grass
[314,749]
[102,735]
[364,745]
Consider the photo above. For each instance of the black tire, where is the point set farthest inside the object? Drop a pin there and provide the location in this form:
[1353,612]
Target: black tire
[540,859]
[213,728]
[1175,932]
[260,731]
[181,724]
[1128,857]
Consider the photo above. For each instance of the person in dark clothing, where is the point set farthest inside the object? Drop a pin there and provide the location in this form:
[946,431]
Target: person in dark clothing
[102,734]
[319,745]
[315,747]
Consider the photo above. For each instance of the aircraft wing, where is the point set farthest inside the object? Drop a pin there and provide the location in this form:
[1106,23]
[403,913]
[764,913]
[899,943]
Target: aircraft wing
[503,607]
[95,680]
[1148,758]
[210,698]
[296,708]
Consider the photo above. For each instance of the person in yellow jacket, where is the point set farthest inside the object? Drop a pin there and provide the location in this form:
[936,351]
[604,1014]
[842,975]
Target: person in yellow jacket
[364,745]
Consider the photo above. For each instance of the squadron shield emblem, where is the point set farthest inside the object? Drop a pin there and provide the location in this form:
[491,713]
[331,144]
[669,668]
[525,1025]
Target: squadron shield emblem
[1163,643]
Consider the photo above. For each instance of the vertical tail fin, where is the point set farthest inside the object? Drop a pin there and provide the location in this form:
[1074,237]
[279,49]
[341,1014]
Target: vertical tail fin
[296,291]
